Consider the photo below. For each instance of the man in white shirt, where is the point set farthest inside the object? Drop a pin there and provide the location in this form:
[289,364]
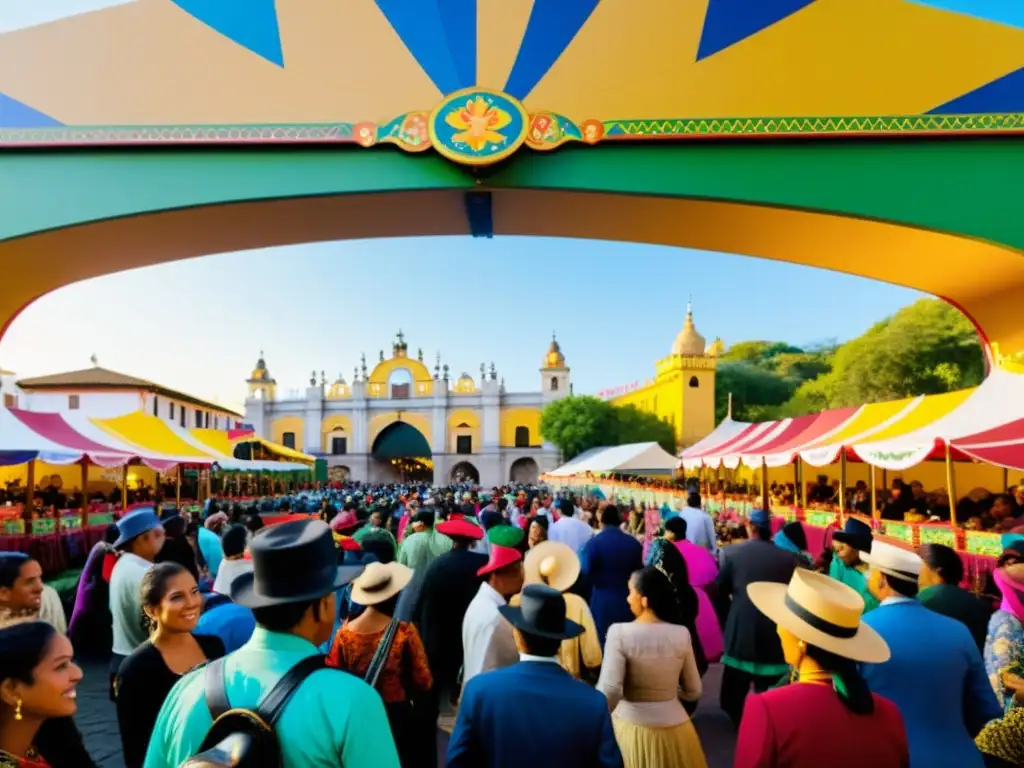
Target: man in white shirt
[487,639]
[569,529]
[141,538]
[700,528]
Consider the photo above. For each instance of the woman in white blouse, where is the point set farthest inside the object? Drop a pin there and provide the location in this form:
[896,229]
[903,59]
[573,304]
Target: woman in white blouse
[648,667]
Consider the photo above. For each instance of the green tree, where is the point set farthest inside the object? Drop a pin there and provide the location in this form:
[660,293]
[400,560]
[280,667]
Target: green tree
[751,387]
[578,423]
[924,349]
[635,426]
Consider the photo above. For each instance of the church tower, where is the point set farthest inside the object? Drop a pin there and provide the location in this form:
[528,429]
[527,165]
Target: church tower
[554,374]
[688,378]
[261,384]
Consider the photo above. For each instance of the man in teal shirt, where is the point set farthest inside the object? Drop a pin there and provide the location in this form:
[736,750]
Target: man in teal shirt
[847,566]
[425,545]
[334,718]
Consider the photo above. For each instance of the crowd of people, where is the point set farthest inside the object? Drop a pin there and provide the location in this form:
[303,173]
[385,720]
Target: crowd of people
[339,631]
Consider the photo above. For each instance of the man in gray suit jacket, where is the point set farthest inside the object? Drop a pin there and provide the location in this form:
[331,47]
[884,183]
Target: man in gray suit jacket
[753,653]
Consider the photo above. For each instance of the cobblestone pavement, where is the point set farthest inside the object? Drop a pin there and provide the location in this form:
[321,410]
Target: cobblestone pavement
[97,719]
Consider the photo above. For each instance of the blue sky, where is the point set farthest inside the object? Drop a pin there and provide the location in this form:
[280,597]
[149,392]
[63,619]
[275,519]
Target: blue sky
[616,307]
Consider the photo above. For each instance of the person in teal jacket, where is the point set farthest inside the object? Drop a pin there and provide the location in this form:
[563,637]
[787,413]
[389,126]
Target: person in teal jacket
[334,718]
[848,566]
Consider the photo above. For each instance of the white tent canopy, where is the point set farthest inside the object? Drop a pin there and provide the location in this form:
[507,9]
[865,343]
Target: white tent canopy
[632,459]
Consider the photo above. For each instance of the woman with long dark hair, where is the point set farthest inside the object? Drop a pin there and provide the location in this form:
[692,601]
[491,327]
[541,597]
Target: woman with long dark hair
[172,605]
[827,714]
[38,678]
[647,662]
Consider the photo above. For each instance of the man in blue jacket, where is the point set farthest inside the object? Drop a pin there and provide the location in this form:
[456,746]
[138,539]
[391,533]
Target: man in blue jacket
[494,725]
[935,675]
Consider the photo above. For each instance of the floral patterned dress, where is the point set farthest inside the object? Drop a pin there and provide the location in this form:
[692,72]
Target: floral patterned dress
[33,760]
[1004,650]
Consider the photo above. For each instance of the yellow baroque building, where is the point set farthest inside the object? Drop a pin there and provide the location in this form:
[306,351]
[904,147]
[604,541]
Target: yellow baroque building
[682,391]
[402,417]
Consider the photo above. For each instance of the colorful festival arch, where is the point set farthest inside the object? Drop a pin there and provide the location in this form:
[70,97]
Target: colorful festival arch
[880,137]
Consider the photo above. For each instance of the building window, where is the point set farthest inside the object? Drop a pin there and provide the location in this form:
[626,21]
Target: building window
[694,382]
[181,416]
[10,401]
[170,411]
[464,444]
[554,384]
[207,420]
[216,422]
[288,440]
[522,437]
[73,402]
[199,418]
[156,405]
[339,446]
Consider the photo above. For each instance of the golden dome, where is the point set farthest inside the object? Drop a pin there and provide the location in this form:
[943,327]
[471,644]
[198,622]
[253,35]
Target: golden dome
[260,372]
[465,383]
[339,389]
[716,348]
[554,357]
[688,343]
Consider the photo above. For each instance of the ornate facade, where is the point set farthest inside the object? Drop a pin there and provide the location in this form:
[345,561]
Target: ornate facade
[401,416]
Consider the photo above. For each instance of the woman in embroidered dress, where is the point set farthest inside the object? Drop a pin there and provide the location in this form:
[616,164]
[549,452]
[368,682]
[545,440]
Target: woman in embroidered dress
[37,699]
[1004,645]
[404,676]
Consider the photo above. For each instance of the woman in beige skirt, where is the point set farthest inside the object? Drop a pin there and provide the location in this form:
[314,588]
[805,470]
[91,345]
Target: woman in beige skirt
[648,666]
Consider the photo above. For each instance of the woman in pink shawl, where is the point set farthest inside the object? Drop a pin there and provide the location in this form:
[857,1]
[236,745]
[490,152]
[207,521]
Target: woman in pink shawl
[702,570]
[1004,646]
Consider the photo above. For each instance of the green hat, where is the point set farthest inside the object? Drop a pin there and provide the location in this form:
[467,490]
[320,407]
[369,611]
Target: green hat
[505,536]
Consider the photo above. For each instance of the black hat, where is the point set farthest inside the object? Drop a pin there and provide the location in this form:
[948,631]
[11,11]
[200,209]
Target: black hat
[291,562]
[856,533]
[541,612]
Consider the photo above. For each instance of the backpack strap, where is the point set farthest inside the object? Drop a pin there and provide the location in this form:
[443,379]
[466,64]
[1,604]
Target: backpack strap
[273,703]
[216,689]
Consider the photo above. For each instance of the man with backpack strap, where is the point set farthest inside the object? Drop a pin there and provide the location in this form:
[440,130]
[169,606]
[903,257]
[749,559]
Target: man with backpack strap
[286,709]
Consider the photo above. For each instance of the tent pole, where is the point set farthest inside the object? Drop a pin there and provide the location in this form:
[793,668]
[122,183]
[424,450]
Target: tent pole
[177,489]
[951,485]
[874,492]
[30,489]
[124,488]
[1006,480]
[85,491]
[842,488]
[797,484]
[764,486]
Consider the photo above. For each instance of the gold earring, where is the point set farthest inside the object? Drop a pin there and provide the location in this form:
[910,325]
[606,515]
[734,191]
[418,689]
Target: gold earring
[17,710]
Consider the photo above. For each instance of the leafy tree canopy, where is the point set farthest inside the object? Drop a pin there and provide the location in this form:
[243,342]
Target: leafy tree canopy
[926,348]
[578,423]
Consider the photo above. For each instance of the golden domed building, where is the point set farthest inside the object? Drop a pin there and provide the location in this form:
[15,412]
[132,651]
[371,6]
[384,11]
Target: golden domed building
[403,421]
[682,391]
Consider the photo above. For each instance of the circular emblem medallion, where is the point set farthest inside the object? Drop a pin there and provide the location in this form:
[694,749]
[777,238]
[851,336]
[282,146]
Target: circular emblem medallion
[477,127]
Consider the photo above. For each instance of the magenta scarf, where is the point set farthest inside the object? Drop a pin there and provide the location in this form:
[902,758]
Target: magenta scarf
[1013,595]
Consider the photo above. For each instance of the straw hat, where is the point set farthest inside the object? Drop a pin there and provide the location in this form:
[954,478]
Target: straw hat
[822,612]
[893,561]
[552,563]
[379,583]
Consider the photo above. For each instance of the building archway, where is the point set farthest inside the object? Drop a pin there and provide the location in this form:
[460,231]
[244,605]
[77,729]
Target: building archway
[400,453]
[464,472]
[524,470]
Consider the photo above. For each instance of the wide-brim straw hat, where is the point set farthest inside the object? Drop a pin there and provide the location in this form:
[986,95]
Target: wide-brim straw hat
[378,583]
[552,563]
[822,612]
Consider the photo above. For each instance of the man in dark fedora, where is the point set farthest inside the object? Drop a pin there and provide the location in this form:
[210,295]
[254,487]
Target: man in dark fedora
[491,729]
[333,718]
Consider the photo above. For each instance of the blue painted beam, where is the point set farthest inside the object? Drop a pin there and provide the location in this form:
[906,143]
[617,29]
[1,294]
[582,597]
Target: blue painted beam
[480,214]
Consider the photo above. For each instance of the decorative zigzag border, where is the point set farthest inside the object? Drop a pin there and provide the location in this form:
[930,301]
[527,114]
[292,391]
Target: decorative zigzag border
[557,130]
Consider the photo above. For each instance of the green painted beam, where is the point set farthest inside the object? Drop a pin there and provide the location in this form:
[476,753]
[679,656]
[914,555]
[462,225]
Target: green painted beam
[964,186]
[48,190]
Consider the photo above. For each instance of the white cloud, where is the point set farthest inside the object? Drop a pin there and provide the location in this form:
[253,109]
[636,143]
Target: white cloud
[17,14]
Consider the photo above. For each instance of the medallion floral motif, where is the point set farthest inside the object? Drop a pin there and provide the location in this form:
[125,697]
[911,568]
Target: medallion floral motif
[478,127]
